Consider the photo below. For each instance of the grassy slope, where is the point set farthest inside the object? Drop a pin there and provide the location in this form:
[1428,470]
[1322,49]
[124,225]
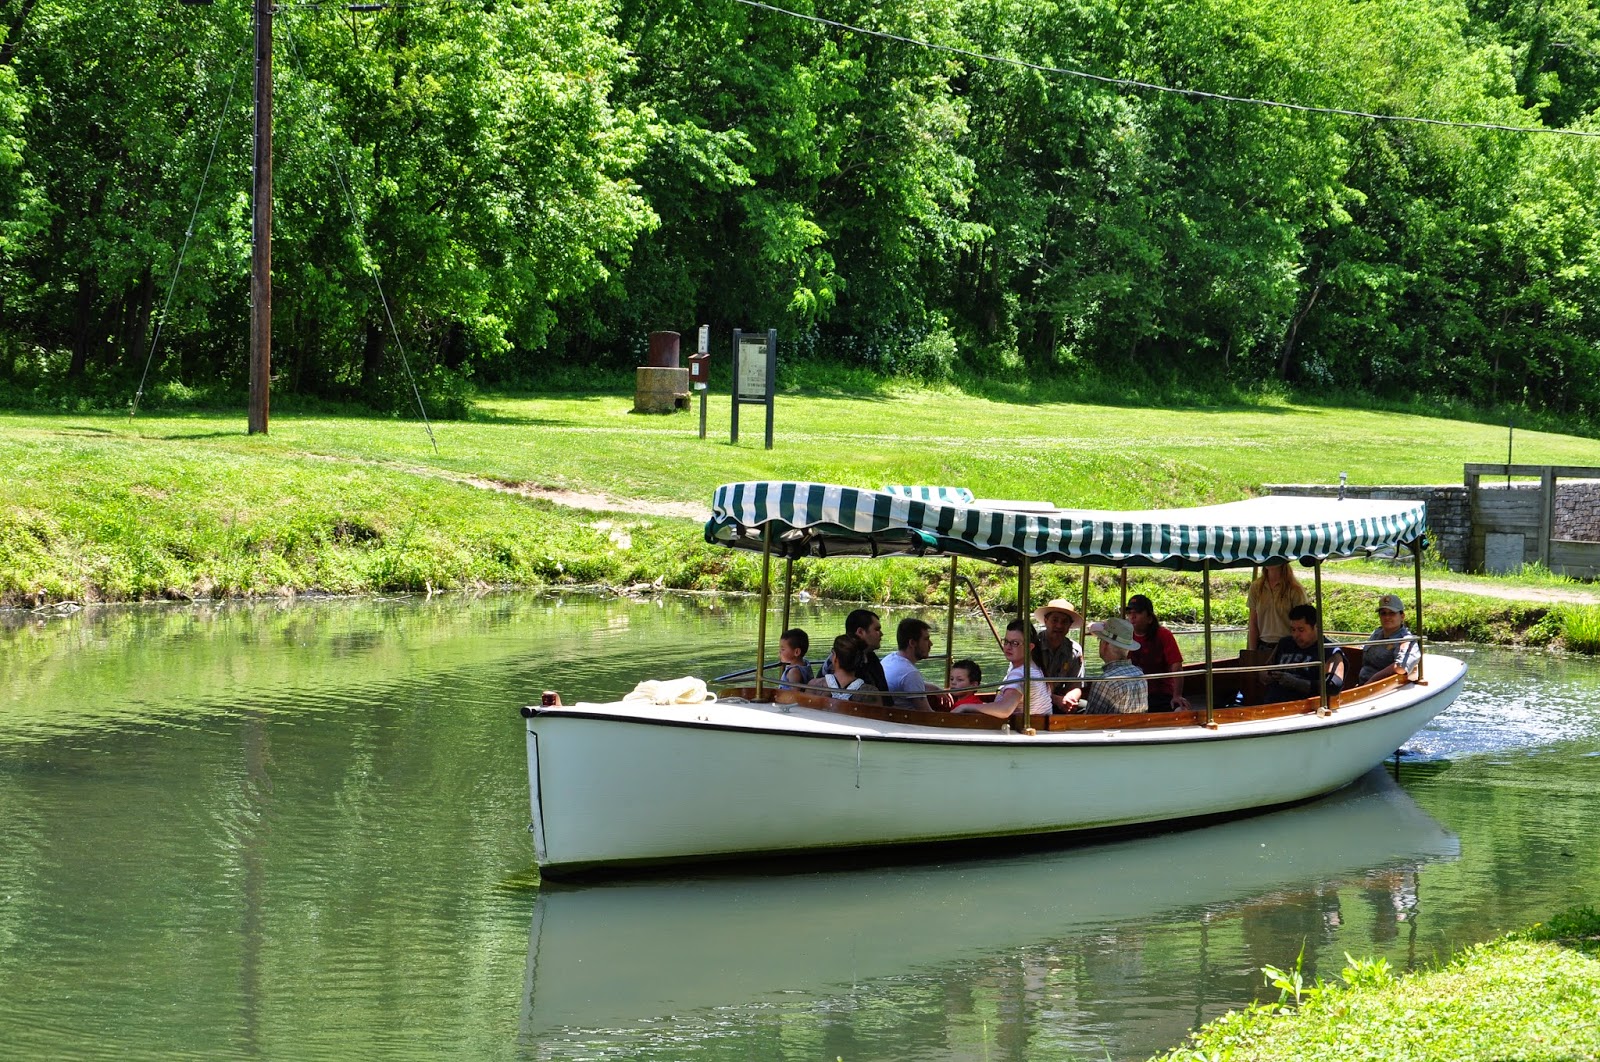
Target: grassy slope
[1532,996]
[101,507]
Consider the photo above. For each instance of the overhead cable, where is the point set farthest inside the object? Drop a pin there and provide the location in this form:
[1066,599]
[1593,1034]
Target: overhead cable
[1134,83]
[372,269]
[188,234]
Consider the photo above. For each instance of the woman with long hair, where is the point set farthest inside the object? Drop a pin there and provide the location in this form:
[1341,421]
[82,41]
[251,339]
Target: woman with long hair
[1274,592]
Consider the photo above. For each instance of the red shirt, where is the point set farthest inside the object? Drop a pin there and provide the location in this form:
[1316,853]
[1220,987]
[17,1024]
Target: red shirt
[1157,654]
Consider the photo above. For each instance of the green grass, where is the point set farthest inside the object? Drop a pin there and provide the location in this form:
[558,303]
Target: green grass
[98,507]
[1531,996]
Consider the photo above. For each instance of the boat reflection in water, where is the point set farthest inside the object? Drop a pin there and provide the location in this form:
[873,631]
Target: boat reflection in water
[621,957]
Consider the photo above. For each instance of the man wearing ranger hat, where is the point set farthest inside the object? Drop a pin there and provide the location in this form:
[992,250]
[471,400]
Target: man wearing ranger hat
[1125,691]
[1058,656]
[1400,653]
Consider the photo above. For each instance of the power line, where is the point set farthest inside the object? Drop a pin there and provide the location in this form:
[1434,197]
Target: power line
[355,219]
[188,234]
[1133,83]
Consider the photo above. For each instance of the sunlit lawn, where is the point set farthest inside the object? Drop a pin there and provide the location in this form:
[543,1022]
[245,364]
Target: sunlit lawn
[177,505]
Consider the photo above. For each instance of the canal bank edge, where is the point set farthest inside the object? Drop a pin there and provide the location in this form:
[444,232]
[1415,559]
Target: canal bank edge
[548,545]
[1528,995]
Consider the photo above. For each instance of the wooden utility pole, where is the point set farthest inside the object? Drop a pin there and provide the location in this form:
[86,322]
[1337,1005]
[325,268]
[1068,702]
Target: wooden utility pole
[261,246]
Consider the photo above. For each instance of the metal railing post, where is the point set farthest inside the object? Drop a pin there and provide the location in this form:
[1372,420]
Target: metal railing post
[766,600]
[1205,609]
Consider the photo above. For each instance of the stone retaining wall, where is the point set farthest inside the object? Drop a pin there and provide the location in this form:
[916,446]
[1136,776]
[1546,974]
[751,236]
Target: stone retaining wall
[1449,510]
[1577,512]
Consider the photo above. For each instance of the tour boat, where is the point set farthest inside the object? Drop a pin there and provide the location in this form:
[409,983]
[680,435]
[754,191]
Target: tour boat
[761,772]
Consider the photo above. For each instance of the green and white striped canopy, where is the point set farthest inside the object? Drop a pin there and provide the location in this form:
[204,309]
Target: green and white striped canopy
[819,520]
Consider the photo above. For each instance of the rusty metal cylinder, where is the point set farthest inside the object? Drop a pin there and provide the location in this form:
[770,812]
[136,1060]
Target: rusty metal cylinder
[663,350]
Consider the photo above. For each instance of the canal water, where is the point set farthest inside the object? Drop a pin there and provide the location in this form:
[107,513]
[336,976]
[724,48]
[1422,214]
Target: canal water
[301,831]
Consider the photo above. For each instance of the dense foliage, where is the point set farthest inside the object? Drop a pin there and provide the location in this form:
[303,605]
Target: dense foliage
[539,183]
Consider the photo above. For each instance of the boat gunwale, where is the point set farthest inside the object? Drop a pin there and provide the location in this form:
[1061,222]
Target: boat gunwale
[1088,736]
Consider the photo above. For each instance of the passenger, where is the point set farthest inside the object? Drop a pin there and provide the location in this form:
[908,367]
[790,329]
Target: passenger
[1381,661]
[864,624]
[915,639]
[1058,655]
[845,679]
[1157,654]
[965,675]
[1018,645]
[1126,693]
[793,644]
[1271,596]
[1300,647]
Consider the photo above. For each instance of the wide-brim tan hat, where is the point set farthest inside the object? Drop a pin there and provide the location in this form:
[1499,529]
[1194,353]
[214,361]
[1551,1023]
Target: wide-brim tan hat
[1115,631]
[1056,605]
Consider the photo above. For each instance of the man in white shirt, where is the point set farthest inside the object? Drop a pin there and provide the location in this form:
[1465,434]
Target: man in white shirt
[900,668]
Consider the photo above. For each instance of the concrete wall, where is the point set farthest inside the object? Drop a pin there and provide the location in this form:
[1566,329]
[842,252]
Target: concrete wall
[1449,511]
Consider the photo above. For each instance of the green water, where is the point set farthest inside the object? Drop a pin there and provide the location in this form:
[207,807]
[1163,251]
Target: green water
[300,831]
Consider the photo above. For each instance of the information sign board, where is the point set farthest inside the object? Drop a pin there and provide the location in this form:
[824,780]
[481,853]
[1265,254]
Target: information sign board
[755,373]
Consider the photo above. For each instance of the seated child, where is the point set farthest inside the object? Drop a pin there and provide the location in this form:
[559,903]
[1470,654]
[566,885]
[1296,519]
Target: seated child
[793,645]
[964,675]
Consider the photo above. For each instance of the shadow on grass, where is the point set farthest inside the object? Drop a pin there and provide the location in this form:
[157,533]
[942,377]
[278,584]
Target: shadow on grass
[185,436]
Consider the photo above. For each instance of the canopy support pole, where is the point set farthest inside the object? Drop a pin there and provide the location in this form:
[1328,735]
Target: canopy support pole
[1083,617]
[1122,576]
[1416,556]
[1205,609]
[950,626]
[788,591]
[766,600]
[1024,592]
[1322,646]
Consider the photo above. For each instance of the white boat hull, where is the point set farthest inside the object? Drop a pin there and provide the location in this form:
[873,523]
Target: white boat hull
[631,954]
[627,785]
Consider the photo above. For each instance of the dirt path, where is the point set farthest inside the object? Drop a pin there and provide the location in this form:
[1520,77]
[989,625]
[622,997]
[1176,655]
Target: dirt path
[573,499]
[594,502]
[1505,592]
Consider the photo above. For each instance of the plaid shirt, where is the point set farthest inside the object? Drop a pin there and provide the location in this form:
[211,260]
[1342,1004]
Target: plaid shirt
[1127,695]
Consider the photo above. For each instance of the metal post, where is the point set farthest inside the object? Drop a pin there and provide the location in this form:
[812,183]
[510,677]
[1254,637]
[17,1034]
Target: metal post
[1205,609]
[1024,592]
[1122,577]
[733,428]
[1322,646]
[772,378]
[788,591]
[1083,617]
[766,599]
[261,242]
[1416,557]
[950,626]
[703,412]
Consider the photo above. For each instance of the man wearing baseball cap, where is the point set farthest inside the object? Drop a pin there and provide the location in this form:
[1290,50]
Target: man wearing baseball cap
[1125,691]
[1397,649]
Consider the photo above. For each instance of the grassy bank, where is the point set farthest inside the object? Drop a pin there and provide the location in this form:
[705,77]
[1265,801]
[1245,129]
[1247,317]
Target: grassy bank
[99,507]
[1530,996]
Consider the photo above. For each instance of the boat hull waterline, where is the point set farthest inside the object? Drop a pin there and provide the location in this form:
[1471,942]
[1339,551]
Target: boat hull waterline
[617,786]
